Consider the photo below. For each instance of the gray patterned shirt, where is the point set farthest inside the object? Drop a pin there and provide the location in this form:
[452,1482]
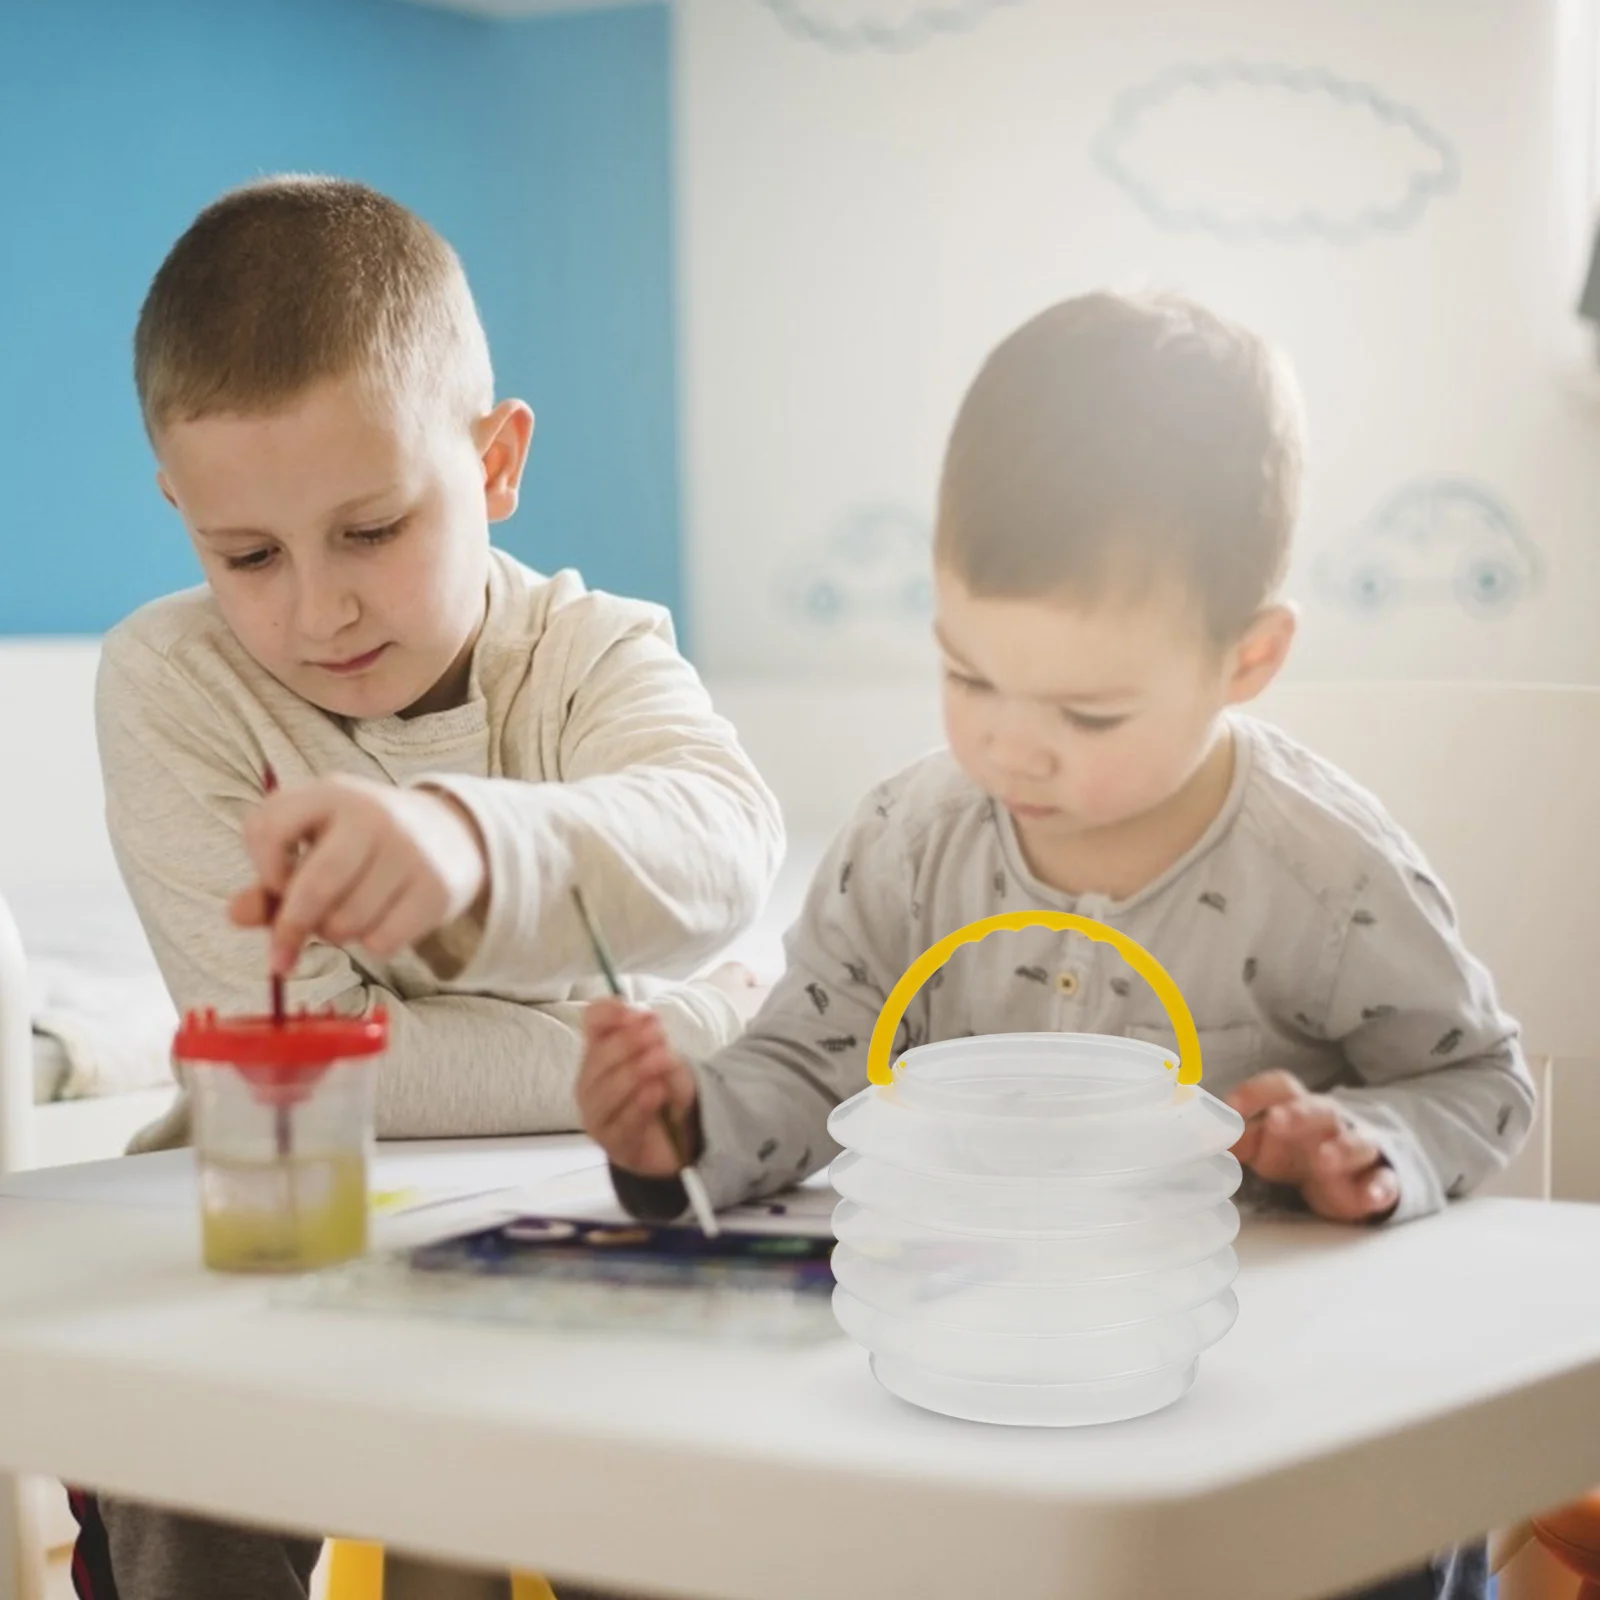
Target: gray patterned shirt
[1305,931]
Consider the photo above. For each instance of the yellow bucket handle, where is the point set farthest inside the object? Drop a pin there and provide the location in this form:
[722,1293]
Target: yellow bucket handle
[879,1069]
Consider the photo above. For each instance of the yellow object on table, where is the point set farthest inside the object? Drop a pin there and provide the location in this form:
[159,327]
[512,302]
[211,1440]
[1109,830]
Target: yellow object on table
[355,1572]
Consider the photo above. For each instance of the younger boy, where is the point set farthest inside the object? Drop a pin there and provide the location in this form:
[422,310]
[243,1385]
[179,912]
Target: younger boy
[1114,523]
[460,740]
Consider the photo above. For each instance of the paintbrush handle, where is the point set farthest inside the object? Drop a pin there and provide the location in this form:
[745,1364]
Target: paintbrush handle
[269,784]
[669,1126]
[686,1168]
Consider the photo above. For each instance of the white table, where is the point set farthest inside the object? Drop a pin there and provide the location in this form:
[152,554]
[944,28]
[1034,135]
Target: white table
[1383,1393]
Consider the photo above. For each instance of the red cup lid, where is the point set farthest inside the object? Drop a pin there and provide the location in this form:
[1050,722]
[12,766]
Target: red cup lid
[304,1041]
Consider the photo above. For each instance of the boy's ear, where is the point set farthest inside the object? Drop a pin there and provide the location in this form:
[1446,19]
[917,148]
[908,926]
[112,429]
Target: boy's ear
[1259,655]
[166,490]
[502,438]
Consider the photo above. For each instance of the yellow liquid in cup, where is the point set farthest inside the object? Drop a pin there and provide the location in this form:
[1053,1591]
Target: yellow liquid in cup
[283,1216]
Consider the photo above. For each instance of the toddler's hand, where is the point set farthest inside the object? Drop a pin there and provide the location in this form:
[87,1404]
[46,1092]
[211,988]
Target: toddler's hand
[1294,1136]
[357,862]
[629,1073]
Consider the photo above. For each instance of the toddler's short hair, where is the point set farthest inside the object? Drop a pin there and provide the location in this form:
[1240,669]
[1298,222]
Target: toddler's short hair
[1115,442]
[295,279]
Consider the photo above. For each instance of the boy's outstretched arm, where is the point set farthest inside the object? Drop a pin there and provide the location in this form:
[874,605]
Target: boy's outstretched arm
[178,792]
[660,817]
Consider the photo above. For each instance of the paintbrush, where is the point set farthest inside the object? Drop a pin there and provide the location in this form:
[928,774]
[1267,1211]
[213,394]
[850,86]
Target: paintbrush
[269,784]
[283,1128]
[699,1200]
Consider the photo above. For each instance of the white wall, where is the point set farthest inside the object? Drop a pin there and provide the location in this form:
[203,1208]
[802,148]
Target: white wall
[861,219]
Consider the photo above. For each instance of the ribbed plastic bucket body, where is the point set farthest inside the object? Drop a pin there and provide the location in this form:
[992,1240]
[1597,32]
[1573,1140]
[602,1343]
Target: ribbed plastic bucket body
[1036,1228]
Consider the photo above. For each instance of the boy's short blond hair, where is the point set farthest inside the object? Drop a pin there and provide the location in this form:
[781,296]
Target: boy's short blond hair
[1116,443]
[294,279]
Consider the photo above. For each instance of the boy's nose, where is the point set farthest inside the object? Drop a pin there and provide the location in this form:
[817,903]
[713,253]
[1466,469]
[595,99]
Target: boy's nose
[1014,747]
[1018,757]
[324,610]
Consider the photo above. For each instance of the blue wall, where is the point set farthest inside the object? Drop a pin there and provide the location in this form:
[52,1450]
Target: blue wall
[541,148]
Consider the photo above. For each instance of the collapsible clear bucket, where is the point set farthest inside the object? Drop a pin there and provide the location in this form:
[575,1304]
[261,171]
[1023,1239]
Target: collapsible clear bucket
[1036,1228]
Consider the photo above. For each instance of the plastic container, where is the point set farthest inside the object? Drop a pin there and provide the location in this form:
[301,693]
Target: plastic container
[1036,1228]
[283,1115]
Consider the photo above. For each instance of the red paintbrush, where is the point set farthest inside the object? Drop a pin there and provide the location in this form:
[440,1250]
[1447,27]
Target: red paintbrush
[269,782]
[283,1129]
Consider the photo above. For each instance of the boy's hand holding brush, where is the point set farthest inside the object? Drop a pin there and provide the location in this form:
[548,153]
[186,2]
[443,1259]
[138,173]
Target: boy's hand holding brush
[636,1094]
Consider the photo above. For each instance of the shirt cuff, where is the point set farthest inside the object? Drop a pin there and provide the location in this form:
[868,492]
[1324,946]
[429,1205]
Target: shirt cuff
[725,1152]
[658,1199]
[449,951]
[649,1199]
[473,947]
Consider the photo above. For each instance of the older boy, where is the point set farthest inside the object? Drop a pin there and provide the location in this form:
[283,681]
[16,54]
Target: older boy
[460,740]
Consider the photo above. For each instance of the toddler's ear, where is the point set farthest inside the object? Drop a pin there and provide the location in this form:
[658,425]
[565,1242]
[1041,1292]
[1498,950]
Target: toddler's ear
[1259,655]
[503,438]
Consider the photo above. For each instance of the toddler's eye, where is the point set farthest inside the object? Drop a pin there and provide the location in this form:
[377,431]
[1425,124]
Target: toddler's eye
[961,681]
[1088,724]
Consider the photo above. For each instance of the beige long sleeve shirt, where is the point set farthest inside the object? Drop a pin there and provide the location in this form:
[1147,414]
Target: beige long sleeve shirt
[587,751]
